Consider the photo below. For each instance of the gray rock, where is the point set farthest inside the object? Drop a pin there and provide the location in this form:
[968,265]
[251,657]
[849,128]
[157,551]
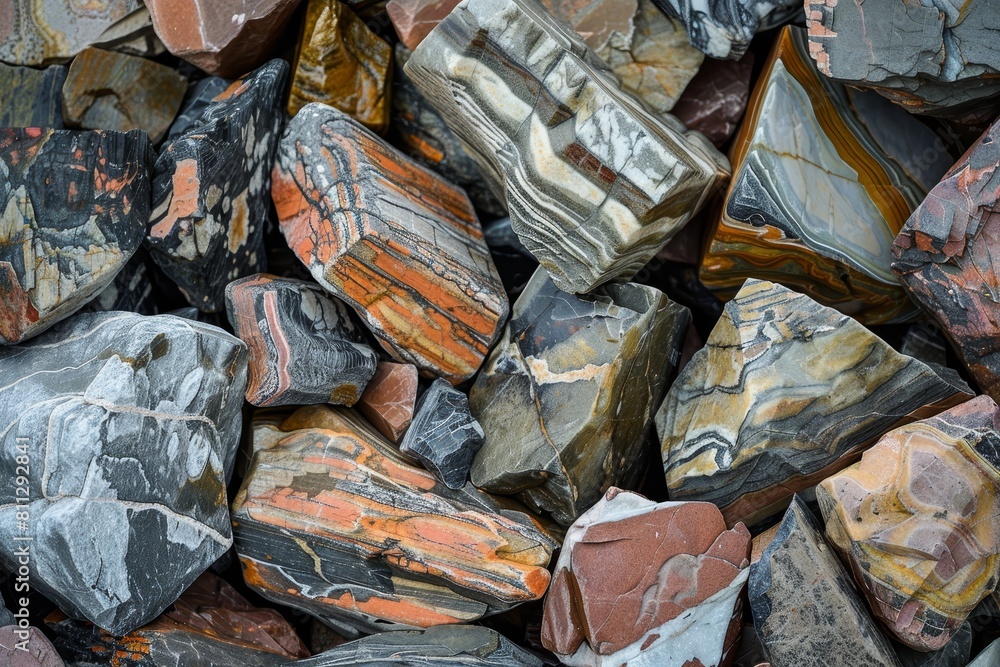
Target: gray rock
[954,654]
[31,97]
[990,657]
[724,28]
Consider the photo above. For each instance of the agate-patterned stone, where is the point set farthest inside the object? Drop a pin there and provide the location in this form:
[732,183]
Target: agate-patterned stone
[724,28]
[40,32]
[785,393]
[594,183]
[395,241]
[390,399]
[824,178]
[31,97]
[915,519]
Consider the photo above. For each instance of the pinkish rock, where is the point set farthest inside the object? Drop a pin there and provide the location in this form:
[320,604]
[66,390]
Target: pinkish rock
[715,99]
[414,19]
[26,647]
[390,399]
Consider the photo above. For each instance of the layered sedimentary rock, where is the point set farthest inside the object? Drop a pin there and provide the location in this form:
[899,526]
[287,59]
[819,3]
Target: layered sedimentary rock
[915,521]
[211,186]
[723,29]
[31,97]
[130,425]
[73,206]
[30,650]
[595,185]
[674,605]
[303,346]
[395,241]
[340,62]
[39,32]
[945,258]
[567,396]
[806,609]
[331,519]
[944,62]
[390,399]
[414,19]
[714,101]
[785,393]
[824,178]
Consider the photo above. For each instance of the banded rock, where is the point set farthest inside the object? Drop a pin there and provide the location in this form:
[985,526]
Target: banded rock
[31,97]
[724,28]
[390,399]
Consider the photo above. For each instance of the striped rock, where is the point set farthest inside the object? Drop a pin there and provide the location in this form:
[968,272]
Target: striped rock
[724,28]
[41,32]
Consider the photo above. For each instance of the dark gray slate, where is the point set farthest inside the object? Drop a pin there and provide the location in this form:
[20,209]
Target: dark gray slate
[31,97]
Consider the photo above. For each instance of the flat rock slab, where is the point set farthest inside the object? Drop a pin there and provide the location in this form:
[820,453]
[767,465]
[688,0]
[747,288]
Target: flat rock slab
[31,97]
[390,399]
[723,29]
[42,32]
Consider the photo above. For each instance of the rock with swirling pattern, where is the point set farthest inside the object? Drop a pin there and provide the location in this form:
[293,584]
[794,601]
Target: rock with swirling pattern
[724,28]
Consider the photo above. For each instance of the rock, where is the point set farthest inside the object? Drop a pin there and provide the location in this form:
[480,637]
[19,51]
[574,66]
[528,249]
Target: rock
[133,35]
[390,399]
[594,183]
[105,90]
[303,346]
[223,37]
[513,261]
[944,257]
[724,29]
[131,290]
[331,520]
[914,519]
[130,425]
[785,393]
[806,609]
[567,397]
[341,63]
[714,101]
[414,19]
[211,184]
[73,206]
[816,207]
[955,653]
[674,608]
[31,97]
[989,657]
[27,648]
[444,436]
[944,63]
[395,241]
[6,618]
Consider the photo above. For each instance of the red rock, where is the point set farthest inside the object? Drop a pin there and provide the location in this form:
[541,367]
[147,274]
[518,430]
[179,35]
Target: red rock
[390,399]
[414,19]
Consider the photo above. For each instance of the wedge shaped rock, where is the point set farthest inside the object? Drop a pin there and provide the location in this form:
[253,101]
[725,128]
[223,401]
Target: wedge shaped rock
[414,19]
[41,32]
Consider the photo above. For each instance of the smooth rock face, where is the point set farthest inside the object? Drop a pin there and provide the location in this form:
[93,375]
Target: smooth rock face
[36,651]
[673,608]
[303,346]
[989,657]
[73,206]
[211,184]
[343,64]
[594,183]
[805,607]
[824,177]
[332,520]
[945,258]
[945,62]
[395,241]
[785,393]
[390,399]
[955,653]
[105,90]
[724,28]
[414,19]
[567,397]
[137,420]
[915,520]
[714,101]
[223,37]
[31,97]
[444,436]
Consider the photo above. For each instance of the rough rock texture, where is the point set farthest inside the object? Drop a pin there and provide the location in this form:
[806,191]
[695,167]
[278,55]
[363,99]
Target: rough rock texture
[594,183]
[444,436]
[672,606]
[40,32]
[223,37]
[31,97]
[35,651]
[937,58]
[714,101]
[211,186]
[332,520]
[824,177]
[724,28]
[785,393]
[915,520]
[390,399]
[130,424]
[805,607]
[955,653]
[414,19]
[72,209]
[340,62]
[303,346]
[567,397]
[105,90]
[945,256]
[395,241]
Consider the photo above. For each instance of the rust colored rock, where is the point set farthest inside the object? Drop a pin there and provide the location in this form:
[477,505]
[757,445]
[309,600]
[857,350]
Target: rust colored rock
[714,101]
[390,399]
[414,19]
[26,647]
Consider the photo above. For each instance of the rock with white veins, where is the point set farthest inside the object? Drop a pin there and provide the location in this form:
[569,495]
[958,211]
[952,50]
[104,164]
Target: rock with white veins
[724,28]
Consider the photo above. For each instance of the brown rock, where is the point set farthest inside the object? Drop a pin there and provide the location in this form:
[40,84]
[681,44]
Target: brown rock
[414,19]
[714,101]
[390,399]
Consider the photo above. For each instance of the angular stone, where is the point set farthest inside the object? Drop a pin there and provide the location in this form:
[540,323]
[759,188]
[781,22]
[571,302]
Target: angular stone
[211,186]
[343,64]
[223,37]
[73,206]
[675,607]
[414,19]
[723,29]
[303,346]
[395,241]
[945,258]
[567,397]
[824,177]
[131,290]
[785,393]
[806,609]
[133,35]
[513,261]
[915,521]
[989,657]
[390,399]
[105,90]
[31,97]
[330,519]
[444,436]
[34,651]
[714,101]
[955,653]
[944,62]
[594,183]
[131,424]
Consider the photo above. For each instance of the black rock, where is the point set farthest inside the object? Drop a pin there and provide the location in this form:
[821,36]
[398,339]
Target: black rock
[31,97]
